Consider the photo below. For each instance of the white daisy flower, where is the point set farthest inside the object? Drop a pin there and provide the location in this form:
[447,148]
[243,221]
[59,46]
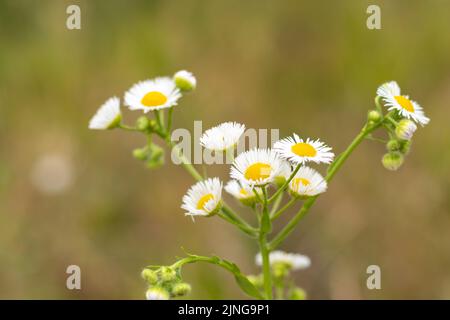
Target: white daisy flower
[307,182]
[222,137]
[300,151]
[390,92]
[294,260]
[203,198]
[155,94]
[157,293]
[108,116]
[256,167]
[185,80]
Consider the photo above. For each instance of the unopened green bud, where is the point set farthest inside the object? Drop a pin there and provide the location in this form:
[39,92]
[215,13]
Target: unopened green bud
[392,160]
[405,129]
[181,289]
[393,145]
[143,123]
[374,115]
[185,81]
[150,276]
[405,146]
[157,293]
[140,153]
[280,269]
[297,294]
[167,274]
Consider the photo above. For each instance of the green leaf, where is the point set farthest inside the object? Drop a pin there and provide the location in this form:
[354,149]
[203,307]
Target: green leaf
[247,286]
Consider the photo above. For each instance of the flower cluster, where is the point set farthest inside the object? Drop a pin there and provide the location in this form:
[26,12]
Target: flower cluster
[255,169]
[401,122]
[259,177]
[164,283]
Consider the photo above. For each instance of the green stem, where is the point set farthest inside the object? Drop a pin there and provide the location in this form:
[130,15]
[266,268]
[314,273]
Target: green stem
[276,204]
[333,169]
[284,208]
[211,260]
[169,119]
[128,128]
[184,161]
[286,183]
[264,229]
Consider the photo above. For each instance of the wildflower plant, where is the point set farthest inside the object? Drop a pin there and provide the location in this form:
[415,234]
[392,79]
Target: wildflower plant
[265,181]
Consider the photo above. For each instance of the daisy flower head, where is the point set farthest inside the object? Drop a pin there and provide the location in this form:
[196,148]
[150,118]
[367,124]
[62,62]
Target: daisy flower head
[185,80]
[222,137]
[108,116]
[203,198]
[300,151]
[256,167]
[307,182]
[155,94]
[243,193]
[294,261]
[390,93]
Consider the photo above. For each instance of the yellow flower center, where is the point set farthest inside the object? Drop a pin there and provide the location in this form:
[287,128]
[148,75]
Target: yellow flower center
[303,149]
[297,181]
[258,171]
[405,103]
[154,99]
[203,200]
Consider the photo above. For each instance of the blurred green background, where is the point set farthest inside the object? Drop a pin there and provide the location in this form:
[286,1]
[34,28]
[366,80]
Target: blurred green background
[69,195]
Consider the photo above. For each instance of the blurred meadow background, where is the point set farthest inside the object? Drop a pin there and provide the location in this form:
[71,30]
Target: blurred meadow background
[69,195]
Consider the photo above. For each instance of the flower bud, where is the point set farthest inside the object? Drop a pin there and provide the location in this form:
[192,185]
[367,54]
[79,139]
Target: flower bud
[393,145]
[185,81]
[167,274]
[181,289]
[157,293]
[297,294]
[405,146]
[280,269]
[392,160]
[143,123]
[150,276]
[140,153]
[374,115]
[405,129]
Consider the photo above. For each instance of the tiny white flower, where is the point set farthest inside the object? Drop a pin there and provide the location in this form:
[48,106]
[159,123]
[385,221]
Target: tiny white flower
[256,167]
[300,151]
[222,137]
[157,293]
[240,192]
[108,116]
[390,92]
[155,94]
[294,260]
[185,80]
[203,198]
[405,129]
[307,182]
